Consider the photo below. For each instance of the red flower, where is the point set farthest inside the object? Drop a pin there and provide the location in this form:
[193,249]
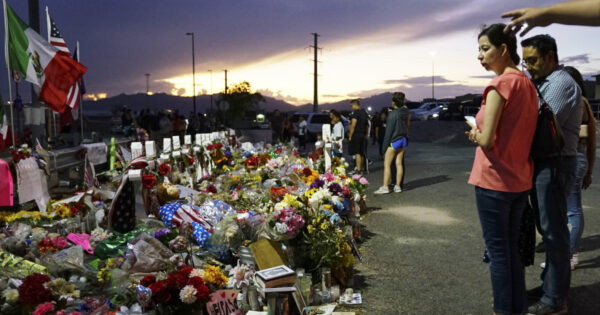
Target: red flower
[149,180]
[185,271]
[253,161]
[210,147]
[164,169]
[148,280]
[212,189]
[202,291]
[160,293]
[191,159]
[219,145]
[306,171]
[176,280]
[42,309]
[32,290]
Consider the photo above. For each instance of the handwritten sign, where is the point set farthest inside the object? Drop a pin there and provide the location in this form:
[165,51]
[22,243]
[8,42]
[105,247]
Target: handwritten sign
[222,302]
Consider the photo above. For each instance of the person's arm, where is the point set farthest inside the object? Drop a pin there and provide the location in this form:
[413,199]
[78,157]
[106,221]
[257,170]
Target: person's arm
[493,110]
[352,126]
[581,12]
[591,146]
[391,122]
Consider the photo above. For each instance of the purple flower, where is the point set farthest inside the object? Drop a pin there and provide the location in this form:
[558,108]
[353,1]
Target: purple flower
[335,189]
[318,183]
[161,233]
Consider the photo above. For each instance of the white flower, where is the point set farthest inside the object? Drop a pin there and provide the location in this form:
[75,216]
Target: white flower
[188,294]
[281,228]
[280,205]
[11,295]
[197,273]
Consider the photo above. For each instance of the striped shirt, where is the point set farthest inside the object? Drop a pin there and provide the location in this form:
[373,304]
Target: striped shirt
[563,95]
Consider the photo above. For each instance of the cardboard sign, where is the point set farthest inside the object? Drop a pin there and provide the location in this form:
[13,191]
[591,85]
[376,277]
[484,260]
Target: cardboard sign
[137,149]
[167,145]
[150,149]
[176,143]
[187,139]
[222,302]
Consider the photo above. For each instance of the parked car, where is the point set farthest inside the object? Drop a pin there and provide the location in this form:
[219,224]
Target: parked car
[454,111]
[427,111]
[315,121]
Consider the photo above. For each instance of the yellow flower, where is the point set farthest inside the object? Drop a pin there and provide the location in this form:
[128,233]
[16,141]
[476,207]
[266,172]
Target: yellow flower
[257,178]
[324,225]
[310,228]
[213,274]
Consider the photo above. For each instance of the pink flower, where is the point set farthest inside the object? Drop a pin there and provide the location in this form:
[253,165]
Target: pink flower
[363,181]
[60,242]
[329,177]
[61,312]
[355,177]
[44,308]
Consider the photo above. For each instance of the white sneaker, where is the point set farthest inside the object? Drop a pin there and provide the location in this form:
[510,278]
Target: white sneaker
[574,260]
[543,265]
[382,190]
[397,189]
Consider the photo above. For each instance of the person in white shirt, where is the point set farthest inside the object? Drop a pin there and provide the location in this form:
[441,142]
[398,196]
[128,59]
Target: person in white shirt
[338,132]
[302,126]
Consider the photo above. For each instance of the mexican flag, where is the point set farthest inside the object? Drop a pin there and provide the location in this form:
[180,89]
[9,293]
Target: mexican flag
[54,72]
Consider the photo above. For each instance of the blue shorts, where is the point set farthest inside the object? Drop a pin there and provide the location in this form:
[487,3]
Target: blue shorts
[399,144]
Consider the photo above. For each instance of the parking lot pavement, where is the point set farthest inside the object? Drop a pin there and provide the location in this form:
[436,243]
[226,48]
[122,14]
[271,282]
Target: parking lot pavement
[423,247]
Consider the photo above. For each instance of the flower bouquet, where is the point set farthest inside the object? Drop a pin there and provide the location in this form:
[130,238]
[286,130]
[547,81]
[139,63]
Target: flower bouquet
[283,224]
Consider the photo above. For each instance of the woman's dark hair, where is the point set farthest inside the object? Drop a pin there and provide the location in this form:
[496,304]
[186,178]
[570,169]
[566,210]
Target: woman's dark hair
[336,114]
[495,33]
[576,75]
[398,99]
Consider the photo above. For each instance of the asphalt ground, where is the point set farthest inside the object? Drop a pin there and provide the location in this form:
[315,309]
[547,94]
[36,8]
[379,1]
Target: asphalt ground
[423,248]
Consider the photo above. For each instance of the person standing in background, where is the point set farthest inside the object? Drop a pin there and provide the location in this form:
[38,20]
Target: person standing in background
[586,154]
[395,141]
[302,128]
[357,135]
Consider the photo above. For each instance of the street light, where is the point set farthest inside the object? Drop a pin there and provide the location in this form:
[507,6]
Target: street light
[193,72]
[432,54]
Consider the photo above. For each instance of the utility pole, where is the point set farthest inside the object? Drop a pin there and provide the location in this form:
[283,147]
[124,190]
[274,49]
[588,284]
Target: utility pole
[147,83]
[211,92]
[34,23]
[225,81]
[316,87]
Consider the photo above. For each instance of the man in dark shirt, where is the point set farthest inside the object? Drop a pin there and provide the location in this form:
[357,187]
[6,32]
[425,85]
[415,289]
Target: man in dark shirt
[359,120]
[277,127]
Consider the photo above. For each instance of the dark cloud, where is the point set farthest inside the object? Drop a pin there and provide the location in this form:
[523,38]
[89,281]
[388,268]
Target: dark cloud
[583,58]
[418,80]
[122,40]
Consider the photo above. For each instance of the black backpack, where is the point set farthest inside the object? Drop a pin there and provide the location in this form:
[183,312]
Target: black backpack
[548,138]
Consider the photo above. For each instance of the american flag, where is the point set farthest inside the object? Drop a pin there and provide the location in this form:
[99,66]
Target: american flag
[56,40]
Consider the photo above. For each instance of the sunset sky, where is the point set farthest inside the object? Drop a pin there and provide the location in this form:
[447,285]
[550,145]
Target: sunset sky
[368,47]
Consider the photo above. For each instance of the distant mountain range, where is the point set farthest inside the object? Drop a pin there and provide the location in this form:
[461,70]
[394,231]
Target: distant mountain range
[184,105]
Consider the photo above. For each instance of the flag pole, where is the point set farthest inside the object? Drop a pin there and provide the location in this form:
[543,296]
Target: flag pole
[80,98]
[12,118]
